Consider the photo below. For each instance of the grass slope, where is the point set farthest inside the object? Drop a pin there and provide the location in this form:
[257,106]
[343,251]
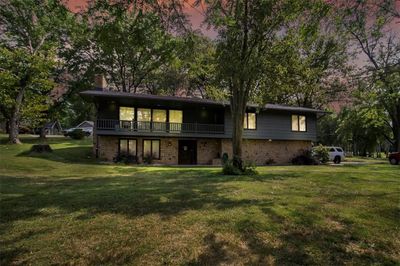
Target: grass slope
[66,208]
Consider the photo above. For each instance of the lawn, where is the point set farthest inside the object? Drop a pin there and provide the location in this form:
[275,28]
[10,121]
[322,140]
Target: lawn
[69,209]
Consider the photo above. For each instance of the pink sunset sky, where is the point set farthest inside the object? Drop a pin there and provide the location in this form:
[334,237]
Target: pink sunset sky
[195,13]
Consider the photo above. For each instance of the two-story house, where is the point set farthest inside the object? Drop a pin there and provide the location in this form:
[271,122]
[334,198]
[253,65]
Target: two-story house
[176,130]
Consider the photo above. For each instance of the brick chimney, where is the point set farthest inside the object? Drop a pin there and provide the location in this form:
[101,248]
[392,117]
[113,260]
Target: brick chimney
[100,82]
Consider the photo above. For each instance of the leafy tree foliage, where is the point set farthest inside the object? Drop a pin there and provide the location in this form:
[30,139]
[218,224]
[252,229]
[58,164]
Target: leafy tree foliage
[250,34]
[361,128]
[308,66]
[368,23]
[127,43]
[24,84]
[31,32]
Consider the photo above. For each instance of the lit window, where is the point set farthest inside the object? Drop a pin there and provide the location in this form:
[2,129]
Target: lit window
[250,121]
[299,123]
[302,123]
[151,148]
[126,116]
[143,118]
[159,119]
[127,146]
[159,115]
[126,113]
[144,115]
[175,120]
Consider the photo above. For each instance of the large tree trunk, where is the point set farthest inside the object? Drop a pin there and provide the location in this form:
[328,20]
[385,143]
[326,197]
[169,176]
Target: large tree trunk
[42,134]
[396,134]
[13,133]
[238,109]
[15,116]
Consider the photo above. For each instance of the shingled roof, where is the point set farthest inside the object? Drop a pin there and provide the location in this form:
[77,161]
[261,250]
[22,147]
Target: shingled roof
[136,96]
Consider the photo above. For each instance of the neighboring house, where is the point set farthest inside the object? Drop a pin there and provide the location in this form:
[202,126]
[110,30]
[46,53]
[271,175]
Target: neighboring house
[85,126]
[195,131]
[52,128]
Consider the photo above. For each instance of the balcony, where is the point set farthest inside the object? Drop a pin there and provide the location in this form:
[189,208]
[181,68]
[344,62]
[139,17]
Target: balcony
[158,127]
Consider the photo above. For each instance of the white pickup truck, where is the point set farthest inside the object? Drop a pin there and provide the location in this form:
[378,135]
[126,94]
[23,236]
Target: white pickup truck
[336,154]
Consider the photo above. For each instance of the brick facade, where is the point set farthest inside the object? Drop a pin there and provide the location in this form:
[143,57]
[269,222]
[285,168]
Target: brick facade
[258,151]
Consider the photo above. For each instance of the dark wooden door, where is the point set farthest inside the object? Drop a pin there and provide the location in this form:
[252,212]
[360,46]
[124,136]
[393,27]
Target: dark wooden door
[187,152]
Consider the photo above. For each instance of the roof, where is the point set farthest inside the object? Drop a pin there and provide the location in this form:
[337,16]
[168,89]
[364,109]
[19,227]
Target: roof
[91,123]
[139,97]
[52,124]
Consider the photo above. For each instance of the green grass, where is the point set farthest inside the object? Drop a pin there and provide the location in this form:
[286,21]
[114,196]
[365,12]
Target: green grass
[66,208]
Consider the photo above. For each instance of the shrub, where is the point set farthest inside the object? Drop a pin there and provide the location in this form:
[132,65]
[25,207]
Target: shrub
[77,134]
[229,169]
[125,158]
[304,158]
[270,161]
[321,153]
[224,158]
[148,158]
[247,168]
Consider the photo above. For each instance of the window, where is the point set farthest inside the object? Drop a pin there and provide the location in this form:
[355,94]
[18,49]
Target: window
[128,146]
[159,115]
[159,118]
[151,148]
[126,116]
[175,120]
[250,121]
[143,118]
[299,123]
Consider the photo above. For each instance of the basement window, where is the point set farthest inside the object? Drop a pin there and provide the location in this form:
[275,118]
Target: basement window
[151,147]
[128,146]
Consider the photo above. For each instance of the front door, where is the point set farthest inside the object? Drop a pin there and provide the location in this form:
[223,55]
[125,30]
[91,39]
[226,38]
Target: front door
[187,152]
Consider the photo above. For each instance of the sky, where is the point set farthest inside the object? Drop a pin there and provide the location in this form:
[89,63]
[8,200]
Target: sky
[196,16]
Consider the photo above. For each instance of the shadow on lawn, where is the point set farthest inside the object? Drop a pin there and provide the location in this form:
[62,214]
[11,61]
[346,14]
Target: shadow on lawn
[297,243]
[300,239]
[76,154]
[162,192]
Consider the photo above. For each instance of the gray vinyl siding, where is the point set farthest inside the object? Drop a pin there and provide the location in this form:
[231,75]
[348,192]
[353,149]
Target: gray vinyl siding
[276,126]
[271,124]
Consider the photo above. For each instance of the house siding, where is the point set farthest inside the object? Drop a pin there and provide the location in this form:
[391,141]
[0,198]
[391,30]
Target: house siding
[276,126]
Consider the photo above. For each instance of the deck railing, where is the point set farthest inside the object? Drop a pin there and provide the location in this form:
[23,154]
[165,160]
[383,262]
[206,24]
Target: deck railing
[173,128]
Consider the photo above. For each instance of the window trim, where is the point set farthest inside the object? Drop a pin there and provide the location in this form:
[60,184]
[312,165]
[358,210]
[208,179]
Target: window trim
[151,148]
[298,122]
[246,117]
[127,139]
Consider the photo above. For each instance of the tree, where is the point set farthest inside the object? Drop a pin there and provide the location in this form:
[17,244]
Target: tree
[33,30]
[309,65]
[127,43]
[369,24]
[24,84]
[191,74]
[247,30]
[362,127]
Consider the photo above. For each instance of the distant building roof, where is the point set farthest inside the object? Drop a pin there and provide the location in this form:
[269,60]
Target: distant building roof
[86,124]
[126,95]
